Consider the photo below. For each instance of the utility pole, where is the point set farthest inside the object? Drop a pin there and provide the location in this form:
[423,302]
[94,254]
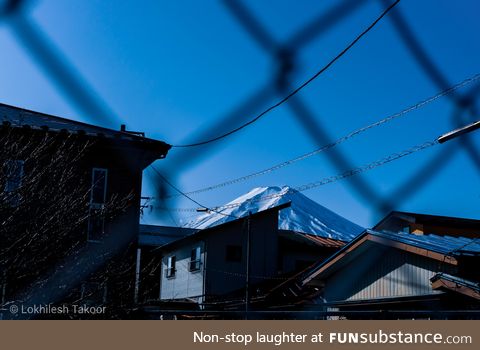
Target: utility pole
[247,281]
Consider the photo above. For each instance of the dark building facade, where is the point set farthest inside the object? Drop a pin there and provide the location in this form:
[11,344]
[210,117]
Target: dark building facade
[70,204]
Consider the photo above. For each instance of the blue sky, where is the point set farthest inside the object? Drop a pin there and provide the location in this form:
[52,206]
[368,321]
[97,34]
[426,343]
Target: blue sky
[173,68]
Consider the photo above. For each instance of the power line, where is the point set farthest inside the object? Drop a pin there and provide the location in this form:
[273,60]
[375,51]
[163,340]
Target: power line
[327,180]
[367,167]
[164,179]
[294,92]
[350,135]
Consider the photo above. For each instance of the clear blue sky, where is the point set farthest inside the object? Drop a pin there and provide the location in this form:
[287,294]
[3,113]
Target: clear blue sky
[171,68]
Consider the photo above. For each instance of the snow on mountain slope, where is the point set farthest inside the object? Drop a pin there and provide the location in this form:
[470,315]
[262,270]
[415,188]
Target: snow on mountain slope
[304,215]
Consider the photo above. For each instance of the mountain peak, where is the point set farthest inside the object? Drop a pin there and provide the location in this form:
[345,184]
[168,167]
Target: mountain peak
[304,215]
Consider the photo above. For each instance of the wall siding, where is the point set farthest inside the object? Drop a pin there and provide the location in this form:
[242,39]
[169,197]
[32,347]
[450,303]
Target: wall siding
[219,277]
[186,283]
[225,277]
[383,273]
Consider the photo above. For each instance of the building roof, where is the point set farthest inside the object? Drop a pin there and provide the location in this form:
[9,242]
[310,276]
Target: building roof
[312,239]
[206,231]
[162,235]
[432,220]
[443,248]
[16,117]
[154,235]
[440,244]
[324,241]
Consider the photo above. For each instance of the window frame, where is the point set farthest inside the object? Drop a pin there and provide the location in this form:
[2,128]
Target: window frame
[171,270]
[195,259]
[95,210]
[94,214]
[105,185]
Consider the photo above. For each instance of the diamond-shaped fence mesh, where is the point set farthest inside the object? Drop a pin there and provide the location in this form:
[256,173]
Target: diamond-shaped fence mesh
[285,61]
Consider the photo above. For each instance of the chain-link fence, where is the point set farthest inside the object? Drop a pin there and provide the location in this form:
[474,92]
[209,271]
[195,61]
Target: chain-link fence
[285,60]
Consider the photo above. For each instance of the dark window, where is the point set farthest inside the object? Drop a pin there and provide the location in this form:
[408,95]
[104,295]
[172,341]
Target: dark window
[195,259]
[233,253]
[170,272]
[99,186]
[96,223]
[96,218]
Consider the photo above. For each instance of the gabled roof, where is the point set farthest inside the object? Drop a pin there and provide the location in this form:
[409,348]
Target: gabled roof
[443,248]
[16,117]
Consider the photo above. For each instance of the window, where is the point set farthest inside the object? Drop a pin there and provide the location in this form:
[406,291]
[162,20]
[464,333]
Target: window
[98,194]
[99,186]
[233,253]
[195,259]
[13,170]
[96,224]
[170,272]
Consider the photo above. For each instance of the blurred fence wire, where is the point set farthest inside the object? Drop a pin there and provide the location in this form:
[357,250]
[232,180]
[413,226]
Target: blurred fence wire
[62,73]
[285,63]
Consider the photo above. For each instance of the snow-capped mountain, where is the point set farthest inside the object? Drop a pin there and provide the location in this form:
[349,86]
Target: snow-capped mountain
[304,215]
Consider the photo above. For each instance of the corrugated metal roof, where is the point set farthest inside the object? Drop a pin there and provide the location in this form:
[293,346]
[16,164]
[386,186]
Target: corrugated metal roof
[445,245]
[440,244]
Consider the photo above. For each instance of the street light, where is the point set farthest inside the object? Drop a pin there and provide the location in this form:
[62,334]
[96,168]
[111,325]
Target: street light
[458,132]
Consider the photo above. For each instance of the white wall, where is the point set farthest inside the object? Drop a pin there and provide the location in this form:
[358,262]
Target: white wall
[185,283]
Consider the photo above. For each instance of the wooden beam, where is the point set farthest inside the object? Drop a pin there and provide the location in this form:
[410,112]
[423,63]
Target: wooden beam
[442,283]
